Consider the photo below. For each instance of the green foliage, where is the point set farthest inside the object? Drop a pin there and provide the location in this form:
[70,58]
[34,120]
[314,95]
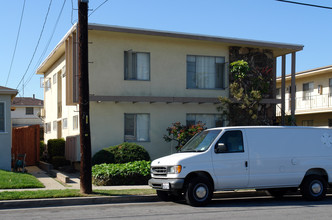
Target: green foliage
[56,147]
[132,173]
[182,133]
[129,152]
[102,156]
[122,153]
[11,180]
[42,149]
[248,88]
[59,161]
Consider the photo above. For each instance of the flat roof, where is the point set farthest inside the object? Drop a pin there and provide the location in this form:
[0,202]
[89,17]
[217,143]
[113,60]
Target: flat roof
[277,48]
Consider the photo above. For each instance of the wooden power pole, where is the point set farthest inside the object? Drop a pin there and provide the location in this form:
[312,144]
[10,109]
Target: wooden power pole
[83,70]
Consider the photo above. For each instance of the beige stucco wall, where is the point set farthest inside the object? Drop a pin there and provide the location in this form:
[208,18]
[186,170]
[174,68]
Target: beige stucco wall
[107,123]
[167,62]
[6,137]
[50,104]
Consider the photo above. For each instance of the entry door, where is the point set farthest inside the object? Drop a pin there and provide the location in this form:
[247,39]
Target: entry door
[231,162]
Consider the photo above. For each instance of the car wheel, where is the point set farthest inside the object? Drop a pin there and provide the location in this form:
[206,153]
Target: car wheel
[313,188]
[199,191]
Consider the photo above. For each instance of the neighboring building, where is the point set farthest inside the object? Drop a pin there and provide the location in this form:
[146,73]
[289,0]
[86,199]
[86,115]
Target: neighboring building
[142,81]
[27,111]
[6,96]
[313,97]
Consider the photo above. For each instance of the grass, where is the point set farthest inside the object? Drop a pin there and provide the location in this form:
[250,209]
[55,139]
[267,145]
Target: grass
[40,194]
[11,180]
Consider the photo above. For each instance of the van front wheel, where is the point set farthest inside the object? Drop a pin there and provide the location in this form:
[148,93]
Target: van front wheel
[199,191]
[314,188]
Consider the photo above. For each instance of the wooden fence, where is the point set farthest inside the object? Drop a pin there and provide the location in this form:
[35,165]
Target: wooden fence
[26,140]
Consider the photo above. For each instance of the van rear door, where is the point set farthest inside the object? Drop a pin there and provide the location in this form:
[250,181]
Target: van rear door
[230,161]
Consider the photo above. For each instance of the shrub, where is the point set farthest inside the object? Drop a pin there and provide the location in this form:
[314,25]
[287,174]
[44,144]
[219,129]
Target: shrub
[132,173]
[59,161]
[42,149]
[122,153]
[102,156]
[129,152]
[56,147]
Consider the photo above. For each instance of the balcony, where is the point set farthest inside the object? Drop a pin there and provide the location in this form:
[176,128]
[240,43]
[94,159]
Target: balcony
[311,104]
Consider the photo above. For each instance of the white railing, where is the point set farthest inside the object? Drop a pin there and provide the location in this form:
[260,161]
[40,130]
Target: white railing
[308,104]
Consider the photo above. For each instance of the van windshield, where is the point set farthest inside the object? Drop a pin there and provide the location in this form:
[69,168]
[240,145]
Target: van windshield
[201,141]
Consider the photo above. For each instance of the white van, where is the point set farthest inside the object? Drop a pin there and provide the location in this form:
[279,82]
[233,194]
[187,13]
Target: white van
[277,159]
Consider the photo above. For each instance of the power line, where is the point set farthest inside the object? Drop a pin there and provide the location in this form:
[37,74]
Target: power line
[48,43]
[97,7]
[41,33]
[300,3]
[18,34]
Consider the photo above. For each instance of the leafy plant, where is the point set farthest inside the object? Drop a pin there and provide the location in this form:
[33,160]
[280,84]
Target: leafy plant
[56,147]
[132,173]
[182,133]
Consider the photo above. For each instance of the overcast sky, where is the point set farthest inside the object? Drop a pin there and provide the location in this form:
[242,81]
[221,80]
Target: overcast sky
[266,20]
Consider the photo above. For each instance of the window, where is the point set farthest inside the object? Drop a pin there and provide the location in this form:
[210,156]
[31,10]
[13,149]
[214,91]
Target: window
[75,122]
[278,93]
[54,78]
[136,65]
[55,123]
[48,127]
[29,110]
[308,88]
[233,142]
[47,84]
[2,117]
[308,123]
[210,120]
[205,72]
[137,127]
[64,123]
[330,86]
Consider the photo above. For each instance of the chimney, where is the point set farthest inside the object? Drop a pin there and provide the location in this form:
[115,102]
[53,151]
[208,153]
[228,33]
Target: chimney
[33,96]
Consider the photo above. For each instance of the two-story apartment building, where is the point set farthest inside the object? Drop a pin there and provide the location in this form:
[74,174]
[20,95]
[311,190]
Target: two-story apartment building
[142,81]
[313,98]
[27,111]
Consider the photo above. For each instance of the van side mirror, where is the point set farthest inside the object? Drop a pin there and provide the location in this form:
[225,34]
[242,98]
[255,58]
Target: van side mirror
[220,148]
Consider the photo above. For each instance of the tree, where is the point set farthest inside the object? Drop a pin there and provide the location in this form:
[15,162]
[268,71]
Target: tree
[249,85]
[182,133]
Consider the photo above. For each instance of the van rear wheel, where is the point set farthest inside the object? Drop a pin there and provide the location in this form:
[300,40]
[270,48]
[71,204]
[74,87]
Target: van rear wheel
[314,188]
[199,191]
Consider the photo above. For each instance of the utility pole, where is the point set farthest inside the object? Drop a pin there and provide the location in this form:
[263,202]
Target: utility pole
[83,70]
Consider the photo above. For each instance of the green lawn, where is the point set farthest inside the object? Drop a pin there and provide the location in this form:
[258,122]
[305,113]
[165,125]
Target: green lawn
[11,180]
[39,194]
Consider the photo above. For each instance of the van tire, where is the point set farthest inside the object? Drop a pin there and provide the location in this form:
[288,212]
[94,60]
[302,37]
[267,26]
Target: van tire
[314,188]
[199,191]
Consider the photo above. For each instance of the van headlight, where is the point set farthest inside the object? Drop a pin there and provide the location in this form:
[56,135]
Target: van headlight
[174,169]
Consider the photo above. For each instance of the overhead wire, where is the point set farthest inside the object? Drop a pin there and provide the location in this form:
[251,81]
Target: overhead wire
[17,37]
[97,8]
[306,4]
[41,33]
[48,43]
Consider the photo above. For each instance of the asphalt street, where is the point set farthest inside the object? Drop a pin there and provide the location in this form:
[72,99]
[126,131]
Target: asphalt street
[263,207]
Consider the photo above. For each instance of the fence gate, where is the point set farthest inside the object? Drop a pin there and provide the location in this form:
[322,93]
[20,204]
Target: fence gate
[25,140]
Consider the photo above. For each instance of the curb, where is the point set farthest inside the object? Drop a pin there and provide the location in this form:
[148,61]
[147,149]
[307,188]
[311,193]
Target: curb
[33,203]
[72,201]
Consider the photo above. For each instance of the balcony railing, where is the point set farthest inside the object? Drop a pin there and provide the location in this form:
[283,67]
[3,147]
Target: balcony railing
[308,104]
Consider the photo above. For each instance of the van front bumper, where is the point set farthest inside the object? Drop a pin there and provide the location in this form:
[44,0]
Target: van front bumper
[166,184]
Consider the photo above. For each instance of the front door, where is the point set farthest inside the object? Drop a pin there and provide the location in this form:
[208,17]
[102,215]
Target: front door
[230,161]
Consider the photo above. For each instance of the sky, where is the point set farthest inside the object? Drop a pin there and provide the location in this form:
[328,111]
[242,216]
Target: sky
[27,40]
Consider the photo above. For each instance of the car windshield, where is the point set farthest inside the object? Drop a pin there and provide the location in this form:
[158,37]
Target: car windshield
[201,141]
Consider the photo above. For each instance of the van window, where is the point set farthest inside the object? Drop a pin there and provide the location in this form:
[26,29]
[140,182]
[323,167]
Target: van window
[233,142]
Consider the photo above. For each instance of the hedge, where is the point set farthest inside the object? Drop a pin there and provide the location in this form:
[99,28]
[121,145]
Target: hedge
[122,153]
[56,147]
[132,173]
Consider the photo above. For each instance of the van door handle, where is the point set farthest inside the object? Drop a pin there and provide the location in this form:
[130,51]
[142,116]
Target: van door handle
[246,163]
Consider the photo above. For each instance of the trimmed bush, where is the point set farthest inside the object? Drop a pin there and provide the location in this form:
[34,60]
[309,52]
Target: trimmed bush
[129,152]
[132,173]
[59,161]
[102,156]
[122,153]
[56,147]
[42,148]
